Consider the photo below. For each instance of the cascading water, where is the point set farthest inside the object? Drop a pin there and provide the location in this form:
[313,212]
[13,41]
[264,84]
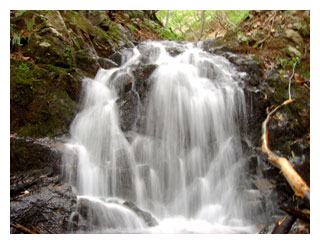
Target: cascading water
[183,165]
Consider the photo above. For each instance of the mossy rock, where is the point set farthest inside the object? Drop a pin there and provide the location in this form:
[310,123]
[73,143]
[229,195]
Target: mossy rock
[86,62]
[42,99]
[57,49]
[293,121]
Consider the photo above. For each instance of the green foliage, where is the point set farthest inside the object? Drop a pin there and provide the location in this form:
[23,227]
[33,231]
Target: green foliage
[163,32]
[135,14]
[187,23]
[285,64]
[30,24]
[167,34]
[17,37]
[132,28]
[16,40]
[24,73]
[20,13]
[237,15]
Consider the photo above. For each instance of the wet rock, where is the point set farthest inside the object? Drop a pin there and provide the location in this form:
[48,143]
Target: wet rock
[252,65]
[264,185]
[30,180]
[132,104]
[128,105]
[37,196]
[252,164]
[256,105]
[86,62]
[269,227]
[174,51]
[146,216]
[255,202]
[215,45]
[106,63]
[47,208]
[31,154]
[34,163]
[116,58]
[99,216]
[300,227]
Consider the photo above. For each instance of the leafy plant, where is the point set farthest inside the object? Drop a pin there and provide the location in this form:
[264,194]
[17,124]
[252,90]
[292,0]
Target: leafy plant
[16,40]
[20,13]
[30,24]
[132,28]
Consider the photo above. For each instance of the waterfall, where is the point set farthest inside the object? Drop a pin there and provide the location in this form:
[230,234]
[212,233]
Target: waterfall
[183,165]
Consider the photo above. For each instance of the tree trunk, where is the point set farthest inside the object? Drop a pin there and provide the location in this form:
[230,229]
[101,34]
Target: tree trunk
[167,18]
[202,23]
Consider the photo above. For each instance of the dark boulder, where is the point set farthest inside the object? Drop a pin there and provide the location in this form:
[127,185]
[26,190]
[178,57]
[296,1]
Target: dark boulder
[116,58]
[106,63]
[34,154]
[146,216]
[132,104]
[47,208]
[101,216]
[38,198]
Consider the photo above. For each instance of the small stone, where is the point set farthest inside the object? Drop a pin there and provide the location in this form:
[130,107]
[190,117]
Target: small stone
[293,52]
[45,44]
[294,36]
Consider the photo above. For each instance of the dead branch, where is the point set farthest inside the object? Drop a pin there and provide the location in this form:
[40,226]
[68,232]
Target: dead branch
[303,214]
[218,17]
[270,18]
[299,186]
[25,229]
[293,70]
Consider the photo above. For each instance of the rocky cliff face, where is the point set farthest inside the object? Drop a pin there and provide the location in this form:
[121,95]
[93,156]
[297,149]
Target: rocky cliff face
[52,51]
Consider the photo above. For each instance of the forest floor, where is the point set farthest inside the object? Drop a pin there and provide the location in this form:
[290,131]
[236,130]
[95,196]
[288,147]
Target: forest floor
[279,37]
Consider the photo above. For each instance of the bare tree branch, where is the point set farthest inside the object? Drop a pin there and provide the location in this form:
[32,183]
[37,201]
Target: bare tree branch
[299,186]
[25,229]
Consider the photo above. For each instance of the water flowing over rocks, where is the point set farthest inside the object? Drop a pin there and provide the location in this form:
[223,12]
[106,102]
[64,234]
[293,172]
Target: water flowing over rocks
[166,166]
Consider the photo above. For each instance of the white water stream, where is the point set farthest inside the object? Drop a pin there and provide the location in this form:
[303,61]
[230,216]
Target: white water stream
[185,166]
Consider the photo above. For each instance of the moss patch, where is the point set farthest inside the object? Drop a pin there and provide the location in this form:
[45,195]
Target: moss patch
[40,103]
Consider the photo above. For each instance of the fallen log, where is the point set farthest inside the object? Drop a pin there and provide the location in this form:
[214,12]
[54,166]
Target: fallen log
[299,186]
